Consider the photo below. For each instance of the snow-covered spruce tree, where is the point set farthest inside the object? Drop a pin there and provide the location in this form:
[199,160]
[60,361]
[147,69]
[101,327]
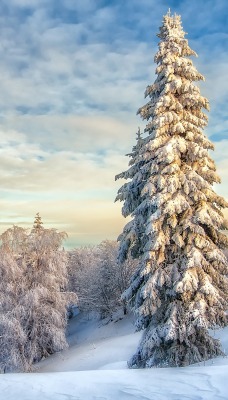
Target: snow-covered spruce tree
[180,288]
[132,195]
[37,223]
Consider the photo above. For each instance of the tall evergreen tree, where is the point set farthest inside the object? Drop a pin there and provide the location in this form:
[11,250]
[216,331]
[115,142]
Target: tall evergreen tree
[180,288]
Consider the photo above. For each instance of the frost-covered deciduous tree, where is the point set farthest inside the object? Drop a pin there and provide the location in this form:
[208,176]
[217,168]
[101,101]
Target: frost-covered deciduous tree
[98,279]
[45,301]
[107,290]
[180,288]
[34,301]
[12,336]
[82,269]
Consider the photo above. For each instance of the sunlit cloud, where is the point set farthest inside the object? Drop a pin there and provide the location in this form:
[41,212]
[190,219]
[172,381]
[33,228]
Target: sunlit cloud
[73,75]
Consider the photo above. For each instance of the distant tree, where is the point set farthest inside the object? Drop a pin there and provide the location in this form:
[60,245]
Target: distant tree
[37,222]
[113,278]
[180,288]
[82,276]
[98,278]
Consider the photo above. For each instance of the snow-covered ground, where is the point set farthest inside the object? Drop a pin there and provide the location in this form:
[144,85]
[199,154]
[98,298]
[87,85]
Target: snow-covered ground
[94,368]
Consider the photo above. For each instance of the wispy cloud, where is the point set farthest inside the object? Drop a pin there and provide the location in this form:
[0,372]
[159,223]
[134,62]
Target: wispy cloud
[73,75]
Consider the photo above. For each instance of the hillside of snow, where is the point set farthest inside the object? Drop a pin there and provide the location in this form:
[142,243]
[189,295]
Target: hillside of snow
[94,368]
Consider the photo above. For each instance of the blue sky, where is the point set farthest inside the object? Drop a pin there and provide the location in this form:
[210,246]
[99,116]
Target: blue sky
[72,76]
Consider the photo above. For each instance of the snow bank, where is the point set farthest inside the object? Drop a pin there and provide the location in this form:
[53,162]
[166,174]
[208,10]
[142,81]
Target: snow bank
[94,368]
[207,383]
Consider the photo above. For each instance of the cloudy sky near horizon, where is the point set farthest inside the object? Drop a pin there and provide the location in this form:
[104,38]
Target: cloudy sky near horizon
[72,76]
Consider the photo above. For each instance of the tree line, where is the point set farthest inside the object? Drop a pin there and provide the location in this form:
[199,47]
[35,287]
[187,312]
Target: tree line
[98,279]
[40,282]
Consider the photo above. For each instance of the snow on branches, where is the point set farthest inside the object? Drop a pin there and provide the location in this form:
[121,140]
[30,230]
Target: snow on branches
[180,287]
[33,299]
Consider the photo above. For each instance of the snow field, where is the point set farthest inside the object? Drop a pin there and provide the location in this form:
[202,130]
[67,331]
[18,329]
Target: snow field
[94,368]
[208,383]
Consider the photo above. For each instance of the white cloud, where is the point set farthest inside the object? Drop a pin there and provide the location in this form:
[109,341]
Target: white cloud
[73,75]
[76,133]
[26,167]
